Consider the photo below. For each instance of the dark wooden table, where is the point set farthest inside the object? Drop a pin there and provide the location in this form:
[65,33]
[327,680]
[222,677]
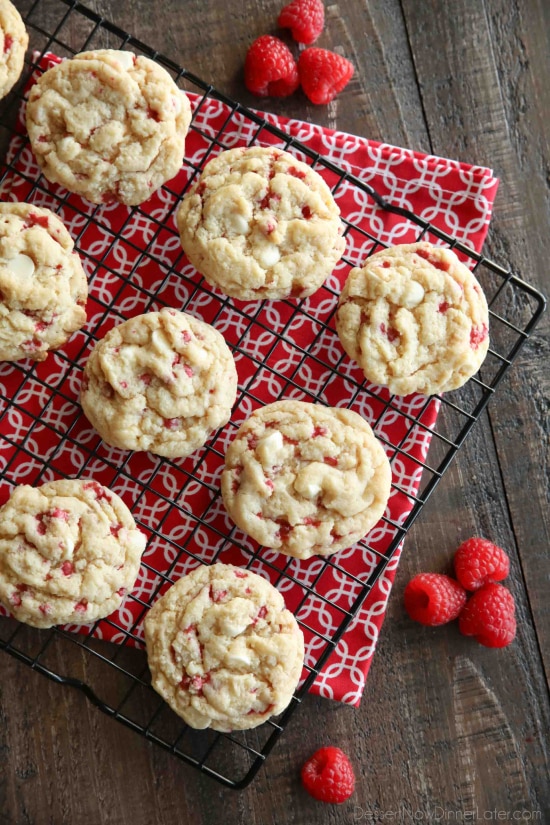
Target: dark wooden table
[448,730]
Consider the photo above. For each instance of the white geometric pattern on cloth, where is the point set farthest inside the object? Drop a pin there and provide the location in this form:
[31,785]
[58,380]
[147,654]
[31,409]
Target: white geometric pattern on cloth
[135,264]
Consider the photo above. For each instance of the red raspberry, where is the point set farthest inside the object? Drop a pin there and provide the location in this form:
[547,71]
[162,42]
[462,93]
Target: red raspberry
[479,561]
[434,599]
[304,18]
[328,776]
[270,69]
[489,616]
[323,74]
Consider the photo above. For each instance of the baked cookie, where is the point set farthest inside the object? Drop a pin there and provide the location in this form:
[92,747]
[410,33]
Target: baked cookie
[415,319]
[223,650]
[108,125]
[69,552]
[305,479]
[43,288]
[13,45]
[162,382]
[260,224]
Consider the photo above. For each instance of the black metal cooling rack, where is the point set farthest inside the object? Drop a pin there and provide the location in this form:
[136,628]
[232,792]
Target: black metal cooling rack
[115,676]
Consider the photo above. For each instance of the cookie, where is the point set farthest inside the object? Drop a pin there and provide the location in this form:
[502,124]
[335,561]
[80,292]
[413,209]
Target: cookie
[260,224]
[43,287]
[223,650]
[161,382]
[305,479]
[69,552]
[415,319]
[13,45]
[108,125]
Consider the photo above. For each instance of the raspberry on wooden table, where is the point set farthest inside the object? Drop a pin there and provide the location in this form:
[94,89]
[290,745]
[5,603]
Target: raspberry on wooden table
[323,74]
[304,18]
[328,776]
[479,561]
[434,599]
[270,69]
[489,616]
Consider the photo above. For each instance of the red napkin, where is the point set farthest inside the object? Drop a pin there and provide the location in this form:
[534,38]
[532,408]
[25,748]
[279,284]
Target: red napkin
[281,349]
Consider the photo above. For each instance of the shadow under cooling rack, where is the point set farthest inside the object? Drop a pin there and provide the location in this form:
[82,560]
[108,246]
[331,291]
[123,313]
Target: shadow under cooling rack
[134,262]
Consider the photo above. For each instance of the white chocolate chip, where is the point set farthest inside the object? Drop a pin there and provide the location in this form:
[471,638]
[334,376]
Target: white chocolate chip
[311,490]
[234,628]
[270,449]
[238,658]
[21,265]
[161,344]
[238,224]
[126,59]
[413,295]
[268,256]
[197,355]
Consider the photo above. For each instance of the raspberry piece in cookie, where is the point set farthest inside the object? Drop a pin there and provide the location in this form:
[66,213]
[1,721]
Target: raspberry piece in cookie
[162,382]
[415,319]
[108,125]
[304,18]
[478,562]
[261,224]
[270,69]
[305,479]
[43,287]
[223,650]
[13,45]
[60,561]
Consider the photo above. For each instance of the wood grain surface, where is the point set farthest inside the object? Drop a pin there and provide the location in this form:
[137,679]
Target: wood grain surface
[448,730]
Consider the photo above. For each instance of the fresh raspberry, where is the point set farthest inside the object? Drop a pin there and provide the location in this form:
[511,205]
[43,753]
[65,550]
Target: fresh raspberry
[304,18]
[489,616]
[323,74]
[434,599]
[270,69]
[479,561]
[328,776]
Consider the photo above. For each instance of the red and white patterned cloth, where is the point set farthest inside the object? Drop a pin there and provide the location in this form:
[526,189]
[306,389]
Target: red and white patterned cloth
[43,433]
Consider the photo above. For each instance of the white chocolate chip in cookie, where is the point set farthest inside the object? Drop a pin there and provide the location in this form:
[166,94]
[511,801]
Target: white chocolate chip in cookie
[126,59]
[238,224]
[267,256]
[21,265]
[413,295]
[271,449]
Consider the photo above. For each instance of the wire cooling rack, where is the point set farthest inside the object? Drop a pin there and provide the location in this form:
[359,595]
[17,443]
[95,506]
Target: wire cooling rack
[43,432]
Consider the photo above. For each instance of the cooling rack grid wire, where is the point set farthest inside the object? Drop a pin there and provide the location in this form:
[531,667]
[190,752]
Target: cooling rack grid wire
[293,352]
